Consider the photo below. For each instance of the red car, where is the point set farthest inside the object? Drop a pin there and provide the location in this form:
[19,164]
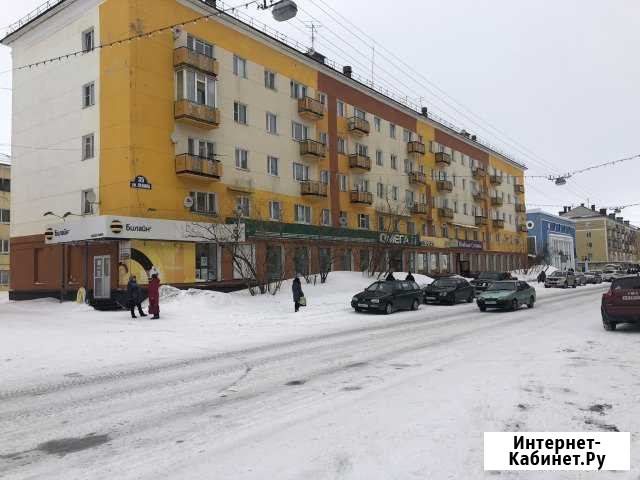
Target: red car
[621,304]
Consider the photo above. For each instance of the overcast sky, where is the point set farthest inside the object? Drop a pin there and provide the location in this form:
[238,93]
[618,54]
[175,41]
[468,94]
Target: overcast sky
[558,79]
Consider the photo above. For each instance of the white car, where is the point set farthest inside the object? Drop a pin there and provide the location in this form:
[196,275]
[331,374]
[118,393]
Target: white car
[608,274]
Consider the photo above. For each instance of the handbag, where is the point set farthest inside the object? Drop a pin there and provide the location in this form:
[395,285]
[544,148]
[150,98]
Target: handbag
[302,301]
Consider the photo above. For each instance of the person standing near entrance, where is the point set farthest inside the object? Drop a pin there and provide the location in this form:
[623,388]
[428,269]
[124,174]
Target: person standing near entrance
[135,297]
[296,288]
[154,296]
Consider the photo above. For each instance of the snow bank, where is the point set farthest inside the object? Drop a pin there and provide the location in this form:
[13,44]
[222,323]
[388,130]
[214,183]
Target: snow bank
[531,275]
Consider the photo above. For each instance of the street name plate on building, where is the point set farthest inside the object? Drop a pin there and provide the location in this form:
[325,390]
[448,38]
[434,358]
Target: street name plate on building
[141,182]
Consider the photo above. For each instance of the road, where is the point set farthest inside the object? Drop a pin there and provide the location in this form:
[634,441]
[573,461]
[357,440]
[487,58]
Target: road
[408,398]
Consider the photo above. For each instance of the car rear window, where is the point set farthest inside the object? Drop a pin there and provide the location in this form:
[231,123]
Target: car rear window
[630,283]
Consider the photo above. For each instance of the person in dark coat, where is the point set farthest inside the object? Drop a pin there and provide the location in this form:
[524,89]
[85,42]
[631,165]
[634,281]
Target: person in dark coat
[135,297]
[410,278]
[296,288]
[542,277]
[390,277]
[154,296]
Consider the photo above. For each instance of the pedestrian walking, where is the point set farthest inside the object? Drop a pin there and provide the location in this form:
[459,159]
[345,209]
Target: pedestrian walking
[298,295]
[410,278]
[154,296]
[135,297]
[542,277]
[390,277]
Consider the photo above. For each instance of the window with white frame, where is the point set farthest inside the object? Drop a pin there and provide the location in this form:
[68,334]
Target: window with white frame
[196,87]
[242,158]
[4,277]
[379,158]
[341,108]
[4,246]
[363,221]
[88,146]
[394,161]
[204,203]
[300,172]
[380,190]
[323,138]
[394,192]
[270,79]
[240,113]
[272,123]
[342,182]
[302,214]
[239,66]
[362,185]
[89,95]
[200,46]
[86,207]
[5,215]
[201,148]
[406,135]
[324,177]
[275,210]
[322,98]
[298,90]
[88,40]
[359,113]
[362,150]
[455,206]
[272,166]
[409,198]
[299,131]
[408,166]
[465,209]
[342,145]
[411,228]
[392,130]
[377,124]
[243,206]
[326,217]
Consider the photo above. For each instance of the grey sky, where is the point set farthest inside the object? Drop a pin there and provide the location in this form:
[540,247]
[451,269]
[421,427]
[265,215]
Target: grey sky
[557,76]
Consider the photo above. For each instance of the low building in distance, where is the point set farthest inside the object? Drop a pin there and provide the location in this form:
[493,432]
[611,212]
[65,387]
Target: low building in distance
[552,239]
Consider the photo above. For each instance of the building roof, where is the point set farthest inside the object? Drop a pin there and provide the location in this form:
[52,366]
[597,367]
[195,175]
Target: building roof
[539,211]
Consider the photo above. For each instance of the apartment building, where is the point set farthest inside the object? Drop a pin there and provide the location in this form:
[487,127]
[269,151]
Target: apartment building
[142,143]
[552,239]
[5,217]
[603,238]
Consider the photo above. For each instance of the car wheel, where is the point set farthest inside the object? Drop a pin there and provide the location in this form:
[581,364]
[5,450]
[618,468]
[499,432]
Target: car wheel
[575,285]
[470,299]
[531,303]
[565,286]
[388,309]
[357,309]
[546,286]
[514,305]
[482,308]
[415,305]
[608,325]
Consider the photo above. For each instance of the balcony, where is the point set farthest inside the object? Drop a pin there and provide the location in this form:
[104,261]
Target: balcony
[421,209]
[445,213]
[479,173]
[313,189]
[498,222]
[521,208]
[198,168]
[184,57]
[497,201]
[444,186]
[518,188]
[416,148]
[196,115]
[310,108]
[480,195]
[523,228]
[443,158]
[481,221]
[495,179]
[360,162]
[417,178]
[364,198]
[313,149]
[358,126]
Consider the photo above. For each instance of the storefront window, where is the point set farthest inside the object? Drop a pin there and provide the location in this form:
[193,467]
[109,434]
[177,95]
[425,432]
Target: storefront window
[206,262]
[301,260]
[324,259]
[412,261]
[444,263]
[347,260]
[274,262]
[395,260]
[433,262]
[364,260]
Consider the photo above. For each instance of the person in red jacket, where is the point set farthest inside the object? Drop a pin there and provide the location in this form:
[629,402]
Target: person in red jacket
[154,296]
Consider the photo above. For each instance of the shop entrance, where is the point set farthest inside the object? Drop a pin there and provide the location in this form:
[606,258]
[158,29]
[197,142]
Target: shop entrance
[102,277]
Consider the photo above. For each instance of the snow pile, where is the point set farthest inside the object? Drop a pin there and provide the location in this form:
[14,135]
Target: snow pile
[531,274]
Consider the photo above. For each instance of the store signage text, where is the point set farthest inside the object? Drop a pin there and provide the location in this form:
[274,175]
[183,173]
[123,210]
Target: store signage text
[141,182]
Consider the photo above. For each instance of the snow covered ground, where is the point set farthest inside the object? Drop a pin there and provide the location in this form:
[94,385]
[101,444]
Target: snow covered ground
[238,387]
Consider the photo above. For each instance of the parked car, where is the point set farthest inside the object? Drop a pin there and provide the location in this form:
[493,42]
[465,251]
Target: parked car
[449,290]
[621,304]
[581,279]
[593,276]
[389,296]
[487,278]
[560,279]
[507,294]
[608,274]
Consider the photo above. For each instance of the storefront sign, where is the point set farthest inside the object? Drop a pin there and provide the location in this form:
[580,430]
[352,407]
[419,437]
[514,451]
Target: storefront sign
[141,182]
[466,244]
[399,239]
[130,228]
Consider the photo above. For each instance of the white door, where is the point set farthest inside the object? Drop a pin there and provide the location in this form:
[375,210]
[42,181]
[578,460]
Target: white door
[102,277]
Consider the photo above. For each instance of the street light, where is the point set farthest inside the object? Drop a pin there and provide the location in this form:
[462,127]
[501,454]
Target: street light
[282,11]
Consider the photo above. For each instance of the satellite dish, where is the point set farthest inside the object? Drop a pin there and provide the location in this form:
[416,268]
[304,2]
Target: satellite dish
[177,31]
[530,225]
[91,196]
[174,138]
[284,10]
[188,202]
[343,221]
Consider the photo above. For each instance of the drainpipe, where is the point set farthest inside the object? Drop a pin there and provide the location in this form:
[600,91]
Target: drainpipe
[62,274]
[86,272]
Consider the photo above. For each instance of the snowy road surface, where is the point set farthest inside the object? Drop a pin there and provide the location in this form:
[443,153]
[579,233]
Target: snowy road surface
[382,397]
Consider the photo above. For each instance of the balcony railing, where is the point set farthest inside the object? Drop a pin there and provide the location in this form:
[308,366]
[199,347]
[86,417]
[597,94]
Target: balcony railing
[199,168]
[310,108]
[479,173]
[496,179]
[416,147]
[313,149]
[518,188]
[444,186]
[315,189]
[521,208]
[196,115]
[443,158]
[359,162]
[445,212]
[365,198]
[417,177]
[497,201]
[421,209]
[481,221]
[185,57]
[523,228]
[498,222]
[480,195]
[359,126]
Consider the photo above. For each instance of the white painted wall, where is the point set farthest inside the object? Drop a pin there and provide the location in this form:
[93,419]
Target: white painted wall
[49,121]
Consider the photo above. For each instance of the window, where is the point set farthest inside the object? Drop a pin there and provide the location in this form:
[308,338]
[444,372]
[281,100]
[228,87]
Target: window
[342,145]
[4,246]
[272,166]
[239,66]
[243,206]
[362,150]
[87,206]
[242,159]
[380,190]
[206,262]
[88,40]
[408,198]
[240,113]
[204,203]
[298,90]
[392,130]
[377,123]
[464,184]
[326,217]
[302,214]
[406,135]
[379,158]
[394,162]
[344,218]
[408,166]
[394,192]
[89,95]
[199,46]
[341,109]
[270,79]
[202,148]
[359,113]
[324,177]
[300,172]
[323,138]
[272,123]
[88,147]
[4,277]
[299,132]
[5,184]
[342,181]
[380,223]
[275,210]
[322,98]
[363,221]
[445,231]
[196,87]
[411,228]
